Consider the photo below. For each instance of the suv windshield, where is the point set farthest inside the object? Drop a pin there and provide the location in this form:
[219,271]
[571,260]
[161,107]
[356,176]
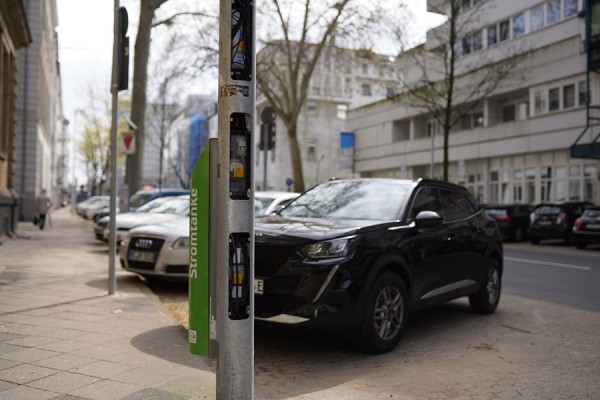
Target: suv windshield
[351,199]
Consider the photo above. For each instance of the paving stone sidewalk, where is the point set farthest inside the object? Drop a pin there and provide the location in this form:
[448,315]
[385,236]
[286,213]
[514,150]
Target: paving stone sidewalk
[63,337]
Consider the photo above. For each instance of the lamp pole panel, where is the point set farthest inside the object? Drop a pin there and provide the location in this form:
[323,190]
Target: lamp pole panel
[235,193]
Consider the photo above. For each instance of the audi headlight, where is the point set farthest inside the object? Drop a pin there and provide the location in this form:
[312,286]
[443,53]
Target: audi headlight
[328,248]
[183,241]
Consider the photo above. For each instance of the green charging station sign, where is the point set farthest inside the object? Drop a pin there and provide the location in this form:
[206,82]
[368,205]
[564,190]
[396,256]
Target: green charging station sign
[201,319]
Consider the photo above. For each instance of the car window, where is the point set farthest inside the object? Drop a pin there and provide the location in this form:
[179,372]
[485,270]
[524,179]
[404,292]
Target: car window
[261,204]
[427,199]
[351,199]
[457,205]
[592,213]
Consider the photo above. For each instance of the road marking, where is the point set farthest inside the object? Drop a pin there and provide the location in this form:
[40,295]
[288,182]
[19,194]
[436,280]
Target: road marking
[552,264]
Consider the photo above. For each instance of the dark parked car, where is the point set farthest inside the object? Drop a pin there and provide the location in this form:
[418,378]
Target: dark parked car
[359,255]
[555,220]
[512,219]
[586,229]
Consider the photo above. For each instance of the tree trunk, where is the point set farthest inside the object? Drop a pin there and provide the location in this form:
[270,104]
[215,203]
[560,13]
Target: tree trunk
[138,94]
[296,155]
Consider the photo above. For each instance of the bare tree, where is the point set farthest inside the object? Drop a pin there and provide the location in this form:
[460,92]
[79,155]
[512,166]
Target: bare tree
[195,62]
[444,86]
[285,65]
[164,112]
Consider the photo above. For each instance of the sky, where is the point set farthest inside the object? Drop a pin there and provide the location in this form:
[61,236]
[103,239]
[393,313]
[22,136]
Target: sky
[85,36]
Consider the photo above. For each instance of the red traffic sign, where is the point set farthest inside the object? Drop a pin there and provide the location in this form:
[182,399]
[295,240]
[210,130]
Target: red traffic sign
[128,142]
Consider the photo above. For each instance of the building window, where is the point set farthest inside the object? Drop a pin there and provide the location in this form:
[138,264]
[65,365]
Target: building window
[478,119]
[311,107]
[546,183]
[432,127]
[537,17]
[477,41]
[570,8]
[311,151]
[574,182]
[539,102]
[504,30]
[518,27]
[492,35]
[583,93]
[465,122]
[590,182]
[518,186]
[553,100]
[466,44]
[508,113]
[342,110]
[529,186]
[552,11]
[366,89]
[568,96]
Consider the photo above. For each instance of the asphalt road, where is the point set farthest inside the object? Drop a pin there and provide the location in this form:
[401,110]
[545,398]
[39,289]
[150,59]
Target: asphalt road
[541,343]
[553,272]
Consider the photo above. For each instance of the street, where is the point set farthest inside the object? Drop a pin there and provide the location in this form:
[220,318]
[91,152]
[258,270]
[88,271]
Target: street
[541,343]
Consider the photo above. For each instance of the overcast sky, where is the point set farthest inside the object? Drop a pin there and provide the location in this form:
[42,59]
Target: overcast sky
[85,35]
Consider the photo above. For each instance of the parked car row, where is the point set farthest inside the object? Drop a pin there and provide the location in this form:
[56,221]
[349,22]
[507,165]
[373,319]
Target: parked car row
[575,222]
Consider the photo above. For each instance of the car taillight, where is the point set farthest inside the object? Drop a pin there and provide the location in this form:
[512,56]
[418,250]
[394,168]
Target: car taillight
[502,218]
[532,217]
[576,224]
[561,218]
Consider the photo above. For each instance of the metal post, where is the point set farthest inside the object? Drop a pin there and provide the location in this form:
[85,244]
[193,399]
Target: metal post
[265,138]
[112,283]
[235,192]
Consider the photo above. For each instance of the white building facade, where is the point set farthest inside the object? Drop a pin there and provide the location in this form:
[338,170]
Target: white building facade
[342,79]
[515,146]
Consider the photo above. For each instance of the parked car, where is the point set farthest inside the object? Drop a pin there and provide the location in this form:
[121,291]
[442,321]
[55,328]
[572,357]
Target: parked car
[82,206]
[359,255]
[586,229]
[512,219]
[269,202]
[141,197]
[158,250]
[100,229]
[555,220]
[178,205]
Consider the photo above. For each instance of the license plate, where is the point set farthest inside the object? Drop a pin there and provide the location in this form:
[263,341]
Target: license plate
[545,222]
[142,256]
[593,226]
[259,286]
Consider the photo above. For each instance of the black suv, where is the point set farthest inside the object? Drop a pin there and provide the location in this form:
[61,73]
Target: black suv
[555,220]
[512,219]
[359,255]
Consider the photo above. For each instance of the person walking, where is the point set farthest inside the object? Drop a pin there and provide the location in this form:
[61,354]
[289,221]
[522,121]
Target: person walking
[42,206]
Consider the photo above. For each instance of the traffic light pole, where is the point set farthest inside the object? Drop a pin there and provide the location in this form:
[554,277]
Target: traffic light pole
[235,193]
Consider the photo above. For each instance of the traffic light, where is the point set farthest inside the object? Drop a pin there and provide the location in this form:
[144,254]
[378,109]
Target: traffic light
[123,50]
[267,136]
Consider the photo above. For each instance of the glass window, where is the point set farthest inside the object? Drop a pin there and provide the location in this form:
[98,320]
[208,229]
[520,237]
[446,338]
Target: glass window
[478,119]
[529,195]
[508,113]
[553,99]
[465,4]
[537,17]
[457,206]
[492,36]
[518,27]
[427,199]
[570,8]
[467,44]
[465,122]
[583,93]
[539,102]
[568,96]
[523,110]
[504,31]
[552,11]
[477,41]
[311,151]
[366,89]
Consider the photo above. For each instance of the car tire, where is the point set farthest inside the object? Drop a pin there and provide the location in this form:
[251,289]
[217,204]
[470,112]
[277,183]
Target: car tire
[580,245]
[518,234]
[534,240]
[487,299]
[385,314]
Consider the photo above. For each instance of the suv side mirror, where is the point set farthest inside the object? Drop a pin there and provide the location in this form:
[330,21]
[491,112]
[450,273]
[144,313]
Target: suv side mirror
[428,219]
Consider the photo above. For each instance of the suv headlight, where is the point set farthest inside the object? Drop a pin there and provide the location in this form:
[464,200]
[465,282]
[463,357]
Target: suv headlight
[183,241]
[328,248]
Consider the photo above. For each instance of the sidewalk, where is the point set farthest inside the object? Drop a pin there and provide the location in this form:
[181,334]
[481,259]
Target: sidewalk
[63,337]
